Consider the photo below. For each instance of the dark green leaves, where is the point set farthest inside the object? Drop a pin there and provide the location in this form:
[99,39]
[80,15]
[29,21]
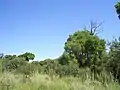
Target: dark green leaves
[28,56]
[117,7]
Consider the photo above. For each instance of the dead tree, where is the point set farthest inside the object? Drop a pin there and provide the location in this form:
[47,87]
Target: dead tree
[94,28]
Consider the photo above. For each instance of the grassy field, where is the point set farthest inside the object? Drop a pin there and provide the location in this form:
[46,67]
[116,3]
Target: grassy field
[9,81]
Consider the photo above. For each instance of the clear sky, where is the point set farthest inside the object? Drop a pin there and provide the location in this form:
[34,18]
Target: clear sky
[42,26]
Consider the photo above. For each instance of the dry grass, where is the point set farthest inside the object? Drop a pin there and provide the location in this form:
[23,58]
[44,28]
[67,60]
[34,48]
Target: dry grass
[9,81]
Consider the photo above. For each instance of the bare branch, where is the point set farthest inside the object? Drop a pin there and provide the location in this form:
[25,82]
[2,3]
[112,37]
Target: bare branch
[99,31]
[94,27]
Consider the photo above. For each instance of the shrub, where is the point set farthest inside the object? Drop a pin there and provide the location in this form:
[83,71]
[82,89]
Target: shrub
[10,65]
[27,69]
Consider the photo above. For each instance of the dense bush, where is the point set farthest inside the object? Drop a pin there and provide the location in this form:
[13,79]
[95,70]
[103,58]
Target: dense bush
[27,69]
[113,63]
[13,64]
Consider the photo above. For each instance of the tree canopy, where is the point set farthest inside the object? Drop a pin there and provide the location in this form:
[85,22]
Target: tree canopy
[28,56]
[85,47]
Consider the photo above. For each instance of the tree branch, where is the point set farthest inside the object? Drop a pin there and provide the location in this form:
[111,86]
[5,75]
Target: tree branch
[94,27]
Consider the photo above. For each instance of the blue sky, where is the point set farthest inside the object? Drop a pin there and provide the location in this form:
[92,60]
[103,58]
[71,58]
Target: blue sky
[42,26]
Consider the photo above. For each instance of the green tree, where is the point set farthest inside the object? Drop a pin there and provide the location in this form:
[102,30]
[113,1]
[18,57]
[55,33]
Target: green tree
[86,47]
[28,56]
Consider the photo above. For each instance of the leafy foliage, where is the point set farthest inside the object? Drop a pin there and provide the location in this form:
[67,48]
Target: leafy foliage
[86,48]
[9,57]
[117,8]
[26,69]
[65,59]
[28,56]
[13,64]
[113,64]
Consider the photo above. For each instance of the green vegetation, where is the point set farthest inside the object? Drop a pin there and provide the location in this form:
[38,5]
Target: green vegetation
[84,65]
[9,81]
[117,8]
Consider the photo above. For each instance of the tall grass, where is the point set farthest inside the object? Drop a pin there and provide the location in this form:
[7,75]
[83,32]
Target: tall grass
[9,81]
